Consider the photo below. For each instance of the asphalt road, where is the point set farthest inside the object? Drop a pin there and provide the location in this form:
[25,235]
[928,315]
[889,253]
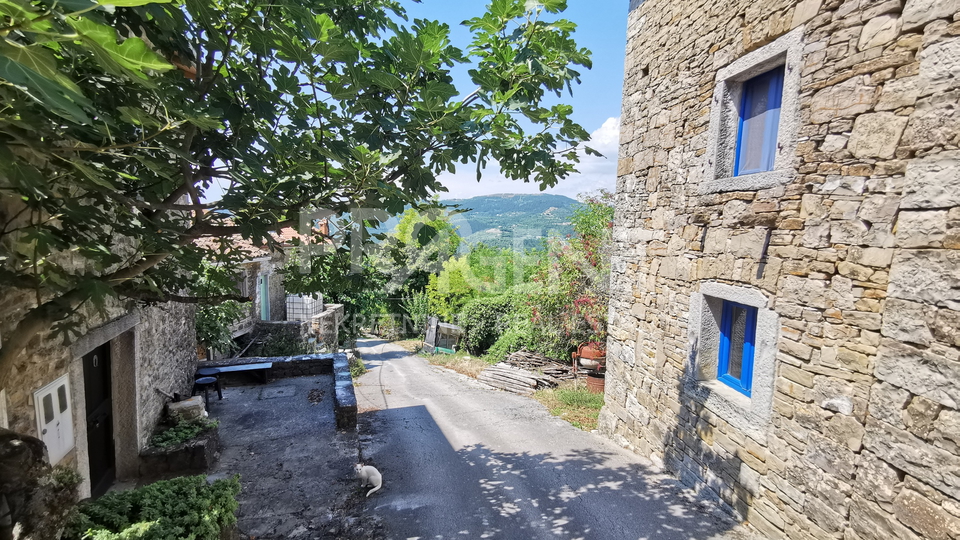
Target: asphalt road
[462,460]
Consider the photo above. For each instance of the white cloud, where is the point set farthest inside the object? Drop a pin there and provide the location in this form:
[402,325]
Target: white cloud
[595,172]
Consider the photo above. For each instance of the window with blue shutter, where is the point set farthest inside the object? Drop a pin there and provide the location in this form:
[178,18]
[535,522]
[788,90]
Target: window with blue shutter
[738,329]
[759,120]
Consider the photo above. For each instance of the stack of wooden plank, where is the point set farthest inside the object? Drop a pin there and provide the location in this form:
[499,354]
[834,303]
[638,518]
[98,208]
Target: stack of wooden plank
[514,379]
[538,363]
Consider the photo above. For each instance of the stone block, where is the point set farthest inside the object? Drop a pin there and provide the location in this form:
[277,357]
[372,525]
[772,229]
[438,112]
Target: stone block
[870,256]
[931,276]
[878,31]
[946,327]
[920,415]
[932,373]
[917,13]
[854,271]
[189,408]
[933,181]
[923,516]
[830,456]
[887,403]
[946,431]
[846,430]
[921,229]
[940,67]
[899,93]
[870,522]
[848,98]
[821,514]
[876,135]
[879,208]
[904,320]
[934,466]
[862,319]
[805,10]
[876,480]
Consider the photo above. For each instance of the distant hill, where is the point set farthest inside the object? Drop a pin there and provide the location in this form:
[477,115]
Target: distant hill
[510,219]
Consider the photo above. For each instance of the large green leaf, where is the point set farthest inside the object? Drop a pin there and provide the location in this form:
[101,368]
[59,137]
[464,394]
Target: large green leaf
[132,55]
[55,97]
[131,3]
[38,59]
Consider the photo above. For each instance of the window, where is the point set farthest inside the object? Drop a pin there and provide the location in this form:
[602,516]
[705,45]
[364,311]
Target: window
[54,418]
[754,119]
[732,358]
[738,330]
[759,121]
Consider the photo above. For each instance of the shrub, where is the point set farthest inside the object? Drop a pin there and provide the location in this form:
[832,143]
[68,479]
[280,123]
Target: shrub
[185,507]
[517,337]
[417,305]
[182,431]
[356,367]
[483,320]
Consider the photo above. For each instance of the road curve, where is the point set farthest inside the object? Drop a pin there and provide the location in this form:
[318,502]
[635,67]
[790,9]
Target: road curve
[462,460]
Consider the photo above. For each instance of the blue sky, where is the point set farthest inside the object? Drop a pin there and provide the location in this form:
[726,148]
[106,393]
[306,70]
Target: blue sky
[601,28]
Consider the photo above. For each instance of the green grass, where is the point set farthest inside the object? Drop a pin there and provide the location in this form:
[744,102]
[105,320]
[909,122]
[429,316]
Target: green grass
[572,402]
[460,361]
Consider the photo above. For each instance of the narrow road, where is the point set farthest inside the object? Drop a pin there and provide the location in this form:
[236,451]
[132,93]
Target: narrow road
[462,460]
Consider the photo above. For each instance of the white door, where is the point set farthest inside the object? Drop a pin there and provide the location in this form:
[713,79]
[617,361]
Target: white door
[55,418]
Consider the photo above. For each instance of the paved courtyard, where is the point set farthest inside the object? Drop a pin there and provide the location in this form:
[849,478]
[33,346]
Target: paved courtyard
[295,469]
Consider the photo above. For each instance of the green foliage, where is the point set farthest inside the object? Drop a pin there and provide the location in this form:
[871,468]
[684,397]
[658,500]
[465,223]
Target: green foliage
[518,336]
[580,397]
[417,247]
[570,307]
[185,507]
[483,321]
[449,290]
[417,306]
[63,477]
[111,143]
[213,320]
[357,368]
[181,431]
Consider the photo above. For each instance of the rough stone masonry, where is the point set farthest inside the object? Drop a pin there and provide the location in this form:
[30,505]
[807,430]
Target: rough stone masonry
[849,250]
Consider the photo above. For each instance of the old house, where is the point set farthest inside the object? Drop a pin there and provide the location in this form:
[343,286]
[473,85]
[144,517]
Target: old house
[96,401]
[785,315]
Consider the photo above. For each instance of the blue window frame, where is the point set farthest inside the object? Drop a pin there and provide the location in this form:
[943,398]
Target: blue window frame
[738,330]
[759,120]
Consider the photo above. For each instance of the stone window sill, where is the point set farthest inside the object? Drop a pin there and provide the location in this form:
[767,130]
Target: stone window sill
[748,182]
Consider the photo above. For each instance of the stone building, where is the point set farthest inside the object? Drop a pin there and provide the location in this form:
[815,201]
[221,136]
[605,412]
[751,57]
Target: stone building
[785,314]
[96,401]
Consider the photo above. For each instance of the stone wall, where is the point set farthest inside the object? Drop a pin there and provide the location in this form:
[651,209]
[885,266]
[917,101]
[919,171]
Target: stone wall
[151,349]
[167,360]
[853,250]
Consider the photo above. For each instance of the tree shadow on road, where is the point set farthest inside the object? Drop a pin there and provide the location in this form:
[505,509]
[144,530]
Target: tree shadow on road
[580,495]
[437,491]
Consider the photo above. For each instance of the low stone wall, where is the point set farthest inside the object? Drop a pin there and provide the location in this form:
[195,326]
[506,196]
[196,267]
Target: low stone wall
[345,401]
[345,404]
[197,455]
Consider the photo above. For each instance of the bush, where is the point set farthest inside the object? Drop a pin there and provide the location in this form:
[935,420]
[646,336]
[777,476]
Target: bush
[357,368]
[517,337]
[185,507]
[483,321]
[182,431]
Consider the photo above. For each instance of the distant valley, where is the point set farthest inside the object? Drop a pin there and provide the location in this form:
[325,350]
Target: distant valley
[513,220]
